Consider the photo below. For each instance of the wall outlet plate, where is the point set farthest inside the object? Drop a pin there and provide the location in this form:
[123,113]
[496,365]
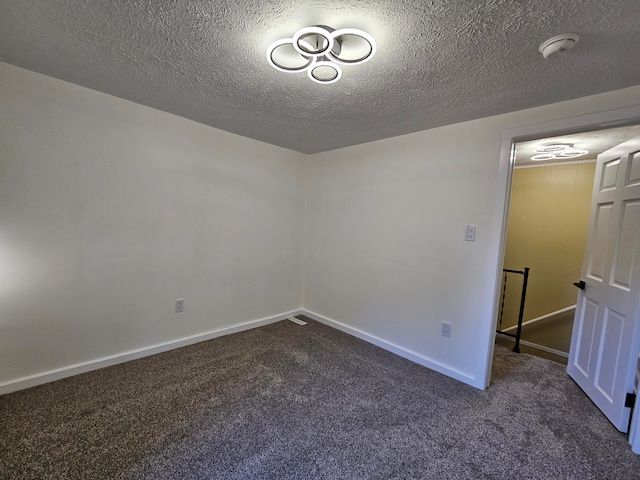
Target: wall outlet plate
[180,305]
[446,329]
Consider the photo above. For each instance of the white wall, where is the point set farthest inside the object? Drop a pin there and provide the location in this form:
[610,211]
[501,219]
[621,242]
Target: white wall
[385,255]
[109,211]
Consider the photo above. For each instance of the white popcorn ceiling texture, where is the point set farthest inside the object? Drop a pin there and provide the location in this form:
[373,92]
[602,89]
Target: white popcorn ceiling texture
[438,61]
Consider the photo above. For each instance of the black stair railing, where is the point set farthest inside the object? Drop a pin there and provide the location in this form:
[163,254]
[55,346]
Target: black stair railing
[523,297]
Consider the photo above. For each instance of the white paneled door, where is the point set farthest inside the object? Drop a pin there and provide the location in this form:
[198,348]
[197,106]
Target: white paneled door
[606,336]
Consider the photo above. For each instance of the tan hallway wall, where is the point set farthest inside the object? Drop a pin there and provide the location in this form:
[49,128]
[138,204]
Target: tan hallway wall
[547,231]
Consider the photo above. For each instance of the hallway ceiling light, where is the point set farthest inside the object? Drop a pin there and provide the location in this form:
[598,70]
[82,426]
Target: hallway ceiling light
[320,51]
[558,151]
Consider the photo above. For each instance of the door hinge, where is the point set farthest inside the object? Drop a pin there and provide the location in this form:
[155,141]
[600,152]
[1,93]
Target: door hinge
[630,400]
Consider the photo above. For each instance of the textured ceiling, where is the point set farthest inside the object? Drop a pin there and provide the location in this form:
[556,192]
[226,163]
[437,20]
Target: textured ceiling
[596,142]
[438,62]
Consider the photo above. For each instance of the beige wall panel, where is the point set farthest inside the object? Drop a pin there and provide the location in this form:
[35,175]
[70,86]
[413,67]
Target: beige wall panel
[547,232]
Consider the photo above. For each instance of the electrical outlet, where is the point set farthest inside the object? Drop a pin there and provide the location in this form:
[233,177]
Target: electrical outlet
[180,305]
[446,329]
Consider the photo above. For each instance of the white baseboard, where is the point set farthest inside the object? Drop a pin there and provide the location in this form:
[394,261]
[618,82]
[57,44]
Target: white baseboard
[75,369]
[537,346]
[398,350]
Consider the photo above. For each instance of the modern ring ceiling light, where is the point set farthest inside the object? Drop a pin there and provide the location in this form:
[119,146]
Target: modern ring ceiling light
[321,51]
[558,151]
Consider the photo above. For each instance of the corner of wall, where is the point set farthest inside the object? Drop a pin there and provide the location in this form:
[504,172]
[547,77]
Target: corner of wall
[305,231]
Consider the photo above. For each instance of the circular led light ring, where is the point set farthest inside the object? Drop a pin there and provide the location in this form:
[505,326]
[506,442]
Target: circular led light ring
[359,33]
[325,57]
[553,148]
[571,153]
[543,156]
[312,31]
[325,63]
[558,151]
[282,68]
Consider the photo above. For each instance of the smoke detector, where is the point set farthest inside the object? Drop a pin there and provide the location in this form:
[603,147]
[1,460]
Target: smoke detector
[560,44]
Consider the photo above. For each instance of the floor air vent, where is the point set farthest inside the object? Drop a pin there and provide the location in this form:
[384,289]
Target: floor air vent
[297,320]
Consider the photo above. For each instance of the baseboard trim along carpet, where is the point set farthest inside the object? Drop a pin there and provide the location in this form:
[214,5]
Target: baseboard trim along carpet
[398,350]
[75,369]
[537,346]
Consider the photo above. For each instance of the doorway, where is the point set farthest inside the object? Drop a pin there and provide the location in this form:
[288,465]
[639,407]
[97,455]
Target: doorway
[549,207]
[601,125]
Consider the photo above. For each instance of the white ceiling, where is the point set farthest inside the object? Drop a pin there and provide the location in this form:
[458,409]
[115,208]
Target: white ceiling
[438,61]
[596,142]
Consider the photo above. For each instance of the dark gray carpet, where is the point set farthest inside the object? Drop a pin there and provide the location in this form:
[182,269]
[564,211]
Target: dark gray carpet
[304,402]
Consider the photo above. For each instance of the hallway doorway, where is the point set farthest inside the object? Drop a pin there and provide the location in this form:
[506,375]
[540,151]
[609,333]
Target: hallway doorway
[549,206]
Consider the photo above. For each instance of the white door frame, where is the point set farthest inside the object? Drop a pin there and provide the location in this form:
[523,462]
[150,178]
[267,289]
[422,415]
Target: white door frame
[597,121]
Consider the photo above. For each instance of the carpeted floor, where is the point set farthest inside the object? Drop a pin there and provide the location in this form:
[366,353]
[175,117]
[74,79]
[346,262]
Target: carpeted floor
[304,402]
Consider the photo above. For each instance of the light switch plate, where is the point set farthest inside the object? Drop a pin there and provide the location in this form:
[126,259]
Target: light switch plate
[470,233]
